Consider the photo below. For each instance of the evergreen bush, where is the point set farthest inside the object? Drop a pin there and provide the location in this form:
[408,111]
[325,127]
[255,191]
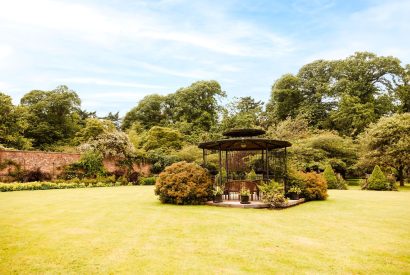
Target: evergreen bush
[378,181]
[334,181]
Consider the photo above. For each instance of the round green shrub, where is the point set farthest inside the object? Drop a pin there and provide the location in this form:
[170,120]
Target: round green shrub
[184,183]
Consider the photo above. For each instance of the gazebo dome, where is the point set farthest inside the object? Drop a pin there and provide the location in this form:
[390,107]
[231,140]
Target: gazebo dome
[244,144]
[244,140]
[244,132]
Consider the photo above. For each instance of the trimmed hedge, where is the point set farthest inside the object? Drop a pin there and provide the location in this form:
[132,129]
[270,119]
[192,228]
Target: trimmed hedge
[45,185]
[147,181]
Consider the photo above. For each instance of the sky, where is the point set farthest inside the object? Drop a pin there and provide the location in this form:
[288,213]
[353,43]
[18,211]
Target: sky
[114,52]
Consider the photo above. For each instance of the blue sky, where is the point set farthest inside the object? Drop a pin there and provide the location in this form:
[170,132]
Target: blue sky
[113,53]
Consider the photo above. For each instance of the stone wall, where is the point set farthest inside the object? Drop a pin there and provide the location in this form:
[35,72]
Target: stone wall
[52,162]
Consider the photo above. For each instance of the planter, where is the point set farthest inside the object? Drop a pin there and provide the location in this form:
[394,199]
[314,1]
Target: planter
[218,198]
[293,196]
[245,200]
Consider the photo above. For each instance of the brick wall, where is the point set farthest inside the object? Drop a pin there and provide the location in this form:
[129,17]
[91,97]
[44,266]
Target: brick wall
[52,162]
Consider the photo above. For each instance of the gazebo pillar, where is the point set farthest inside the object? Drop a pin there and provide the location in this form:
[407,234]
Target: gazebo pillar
[226,165]
[285,181]
[267,163]
[203,156]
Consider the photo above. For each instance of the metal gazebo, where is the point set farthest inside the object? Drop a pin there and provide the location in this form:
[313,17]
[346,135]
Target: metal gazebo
[241,151]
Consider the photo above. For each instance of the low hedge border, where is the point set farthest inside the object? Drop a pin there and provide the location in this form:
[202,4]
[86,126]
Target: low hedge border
[9,187]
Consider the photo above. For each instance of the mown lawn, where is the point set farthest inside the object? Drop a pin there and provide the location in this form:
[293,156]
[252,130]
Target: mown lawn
[126,230]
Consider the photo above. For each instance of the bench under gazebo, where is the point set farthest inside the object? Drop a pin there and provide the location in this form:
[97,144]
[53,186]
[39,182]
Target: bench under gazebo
[241,152]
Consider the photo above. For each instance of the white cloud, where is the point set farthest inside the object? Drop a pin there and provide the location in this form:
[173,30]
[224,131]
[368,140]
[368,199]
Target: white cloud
[106,82]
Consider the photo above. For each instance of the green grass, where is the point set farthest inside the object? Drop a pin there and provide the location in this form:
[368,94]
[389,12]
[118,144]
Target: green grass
[126,230]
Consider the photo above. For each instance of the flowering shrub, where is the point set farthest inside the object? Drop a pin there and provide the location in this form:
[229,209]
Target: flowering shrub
[184,183]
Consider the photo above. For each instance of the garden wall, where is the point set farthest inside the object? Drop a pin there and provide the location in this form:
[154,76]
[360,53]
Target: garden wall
[52,162]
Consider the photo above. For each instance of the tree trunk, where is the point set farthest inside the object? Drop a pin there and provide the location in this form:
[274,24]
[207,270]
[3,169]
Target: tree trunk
[400,175]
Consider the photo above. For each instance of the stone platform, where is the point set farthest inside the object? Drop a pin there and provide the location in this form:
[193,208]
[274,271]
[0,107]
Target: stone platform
[253,204]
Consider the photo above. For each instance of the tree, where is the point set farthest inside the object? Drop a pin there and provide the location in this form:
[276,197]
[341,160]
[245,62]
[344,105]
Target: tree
[197,105]
[403,91]
[243,112]
[286,98]
[366,83]
[387,142]
[163,137]
[291,129]
[352,116]
[148,113]
[54,116]
[93,128]
[13,124]
[111,144]
[343,95]
[316,151]
[316,82]
[114,118]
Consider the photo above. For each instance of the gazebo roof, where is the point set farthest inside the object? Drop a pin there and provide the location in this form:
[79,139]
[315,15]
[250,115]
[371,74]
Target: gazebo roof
[244,144]
[244,132]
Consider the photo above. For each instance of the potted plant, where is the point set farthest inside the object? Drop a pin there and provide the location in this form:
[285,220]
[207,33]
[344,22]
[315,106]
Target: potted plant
[294,192]
[218,192]
[245,194]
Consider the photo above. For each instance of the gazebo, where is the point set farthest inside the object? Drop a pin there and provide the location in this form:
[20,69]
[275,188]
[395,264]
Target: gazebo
[243,151]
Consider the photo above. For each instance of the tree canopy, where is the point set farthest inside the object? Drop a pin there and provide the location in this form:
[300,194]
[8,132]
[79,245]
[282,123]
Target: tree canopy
[387,143]
[54,116]
[328,110]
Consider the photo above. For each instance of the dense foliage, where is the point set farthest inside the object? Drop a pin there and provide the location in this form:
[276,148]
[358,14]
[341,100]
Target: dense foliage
[351,113]
[184,183]
[387,142]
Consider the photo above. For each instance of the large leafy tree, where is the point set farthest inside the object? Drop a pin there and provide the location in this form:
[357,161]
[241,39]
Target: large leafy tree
[344,95]
[13,124]
[387,143]
[286,98]
[243,112]
[162,138]
[316,151]
[148,113]
[93,128]
[365,83]
[197,105]
[54,116]
[403,91]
